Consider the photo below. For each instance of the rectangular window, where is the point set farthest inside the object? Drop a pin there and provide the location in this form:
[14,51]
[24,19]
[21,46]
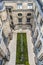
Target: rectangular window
[30,5]
[41,22]
[28,19]
[37,14]
[19,5]
[20,19]
[11,17]
[10,10]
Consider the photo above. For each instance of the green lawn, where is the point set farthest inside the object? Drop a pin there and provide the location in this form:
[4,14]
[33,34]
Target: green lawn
[22,52]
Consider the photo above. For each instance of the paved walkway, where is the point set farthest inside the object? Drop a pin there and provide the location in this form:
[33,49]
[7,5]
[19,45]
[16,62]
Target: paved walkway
[30,49]
[12,48]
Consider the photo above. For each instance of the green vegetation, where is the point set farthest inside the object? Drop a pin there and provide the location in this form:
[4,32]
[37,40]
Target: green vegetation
[22,52]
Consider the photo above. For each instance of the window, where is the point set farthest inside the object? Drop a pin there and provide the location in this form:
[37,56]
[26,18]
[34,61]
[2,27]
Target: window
[1,62]
[29,14]
[1,5]
[11,17]
[42,36]
[35,8]
[30,5]
[41,22]
[20,19]
[9,9]
[36,33]
[12,25]
[28,19]
[41,59]
[41,1]
[19,14]
[0,30]
[19,5]
[0,38]
[39,45]
[37,14]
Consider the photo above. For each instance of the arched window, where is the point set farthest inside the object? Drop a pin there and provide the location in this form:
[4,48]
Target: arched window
[20,17]
[19,14]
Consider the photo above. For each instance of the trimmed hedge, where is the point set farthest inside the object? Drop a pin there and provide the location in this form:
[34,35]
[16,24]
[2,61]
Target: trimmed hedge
[25,50]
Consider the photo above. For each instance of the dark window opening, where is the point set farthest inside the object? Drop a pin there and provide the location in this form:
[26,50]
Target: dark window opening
[29,14]
[41,22]
[19,14]
[12,25]
[9,9]
[1,62]
[11,17]
[37,14]
[28,19]
[39,46]
[20,19]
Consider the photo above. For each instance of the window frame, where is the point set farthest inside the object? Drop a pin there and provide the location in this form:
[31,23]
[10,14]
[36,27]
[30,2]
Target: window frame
[28,20]
[30,5]
[20,20]
[19,5]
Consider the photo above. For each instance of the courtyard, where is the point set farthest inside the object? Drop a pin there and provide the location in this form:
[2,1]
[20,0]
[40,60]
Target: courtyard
[18,57]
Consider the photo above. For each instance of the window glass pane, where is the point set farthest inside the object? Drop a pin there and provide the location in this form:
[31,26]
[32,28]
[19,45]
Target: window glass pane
[11,17]
[1,62]
[28,19]
[19,5]
[20,19]
[9,9]
[1,5]
[29,14]
[19,14]
[0,40]
[30,5]
[41,22]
